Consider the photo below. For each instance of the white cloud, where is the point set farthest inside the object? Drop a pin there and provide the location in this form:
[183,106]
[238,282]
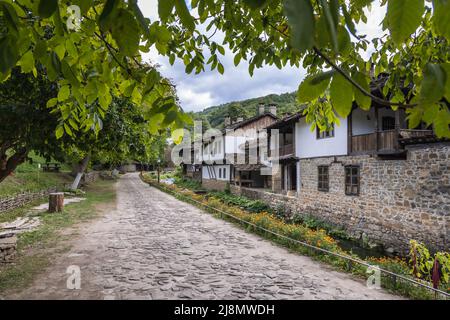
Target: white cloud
[197,92]
[191,98]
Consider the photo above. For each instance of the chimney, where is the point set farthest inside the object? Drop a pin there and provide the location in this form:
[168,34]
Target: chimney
[261,108]
[240,119]
[273,109]
[227,121]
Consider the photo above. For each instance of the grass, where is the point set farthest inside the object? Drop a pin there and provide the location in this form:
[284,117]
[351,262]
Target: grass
[36,248]
[28,177]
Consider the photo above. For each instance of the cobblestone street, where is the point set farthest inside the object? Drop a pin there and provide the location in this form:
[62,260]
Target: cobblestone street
[156,247]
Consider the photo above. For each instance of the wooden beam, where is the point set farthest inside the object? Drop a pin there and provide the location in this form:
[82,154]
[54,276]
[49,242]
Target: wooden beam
[397,128]
[349,133]
[377,129]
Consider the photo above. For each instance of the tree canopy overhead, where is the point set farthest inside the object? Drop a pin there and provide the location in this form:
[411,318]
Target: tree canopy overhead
[103,54]
[92,49]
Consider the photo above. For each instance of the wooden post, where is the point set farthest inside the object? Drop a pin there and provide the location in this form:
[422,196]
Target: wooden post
[349,133]
[397,128]
[56,202]
[377,130]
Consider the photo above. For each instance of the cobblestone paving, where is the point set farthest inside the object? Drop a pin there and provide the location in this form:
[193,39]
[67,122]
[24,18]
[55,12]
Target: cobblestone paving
[156,247]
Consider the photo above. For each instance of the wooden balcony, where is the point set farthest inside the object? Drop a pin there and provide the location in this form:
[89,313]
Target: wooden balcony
[287,150]
[383,141]
[284,151]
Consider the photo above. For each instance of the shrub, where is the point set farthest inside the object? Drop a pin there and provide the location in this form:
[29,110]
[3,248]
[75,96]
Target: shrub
[432,268]
[247,204]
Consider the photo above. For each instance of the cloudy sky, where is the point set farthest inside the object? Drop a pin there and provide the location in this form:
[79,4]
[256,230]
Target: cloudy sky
[210,88]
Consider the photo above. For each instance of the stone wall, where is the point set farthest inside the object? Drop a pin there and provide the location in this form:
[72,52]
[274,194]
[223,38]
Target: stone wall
[22,199]
[8,249]
[90,177]
[399,200]
[214,184]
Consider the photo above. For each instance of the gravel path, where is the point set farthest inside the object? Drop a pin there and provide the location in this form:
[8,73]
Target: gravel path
[156,247]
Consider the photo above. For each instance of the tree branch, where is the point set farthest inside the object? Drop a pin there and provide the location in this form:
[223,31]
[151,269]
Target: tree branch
[357,85]
[348,78]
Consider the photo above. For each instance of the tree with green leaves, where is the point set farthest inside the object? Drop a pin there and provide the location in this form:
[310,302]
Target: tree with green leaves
[124,135]
[321,35]
[26,123]
[92,51]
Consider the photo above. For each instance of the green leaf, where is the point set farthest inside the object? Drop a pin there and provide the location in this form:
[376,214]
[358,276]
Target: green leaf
[9,53]
[10,15]
[107,16]
[40,50]
[349,21]
[237,59]
[59,132]
[414,117]
[27,62]
[446,68]
[52,102]
[221,50]
[331,14]
[220,68]
[165,8]
[323,76]
[126,32]
[344,42]
[177,135]
[68,130]
[300,17]
[63,93]
[403,18]
[68,74]
[84,5]
[341,95]
[170,117]
[183,12]
[441,17]
[255,4]
[430,114]
[313,87]
[47,8]
[433,84]
[363,101]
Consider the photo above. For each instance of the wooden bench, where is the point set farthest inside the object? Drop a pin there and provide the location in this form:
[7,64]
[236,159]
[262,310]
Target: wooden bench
[51,167]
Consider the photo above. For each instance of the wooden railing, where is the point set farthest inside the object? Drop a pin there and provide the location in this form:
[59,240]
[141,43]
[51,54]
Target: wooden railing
[384,140]
[364,143]
[285,150]
[388,140]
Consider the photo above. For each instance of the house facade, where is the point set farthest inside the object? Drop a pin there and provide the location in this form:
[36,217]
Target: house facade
[232,156]
[370,175]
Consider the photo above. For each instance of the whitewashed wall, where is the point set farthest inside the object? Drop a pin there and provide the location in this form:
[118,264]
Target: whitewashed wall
[225,169]
[363,122]
[308,146]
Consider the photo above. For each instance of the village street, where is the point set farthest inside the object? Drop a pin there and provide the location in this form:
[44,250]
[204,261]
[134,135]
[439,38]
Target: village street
[156,247]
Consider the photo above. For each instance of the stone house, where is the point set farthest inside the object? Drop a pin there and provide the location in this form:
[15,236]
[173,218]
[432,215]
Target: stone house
[370,175]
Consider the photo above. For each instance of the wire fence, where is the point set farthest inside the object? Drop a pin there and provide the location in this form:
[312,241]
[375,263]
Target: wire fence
[395,277]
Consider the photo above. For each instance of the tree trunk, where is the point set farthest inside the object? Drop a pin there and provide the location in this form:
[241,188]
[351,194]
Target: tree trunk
[81,170]
[8,166]
[56,202]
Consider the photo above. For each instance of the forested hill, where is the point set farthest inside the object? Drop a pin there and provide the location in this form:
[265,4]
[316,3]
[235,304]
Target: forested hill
[214,116]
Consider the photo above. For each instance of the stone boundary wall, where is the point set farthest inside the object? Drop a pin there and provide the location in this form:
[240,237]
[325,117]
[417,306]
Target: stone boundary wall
[214,184]
[90,177]
[19,200]
[8,249]
[399,200]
